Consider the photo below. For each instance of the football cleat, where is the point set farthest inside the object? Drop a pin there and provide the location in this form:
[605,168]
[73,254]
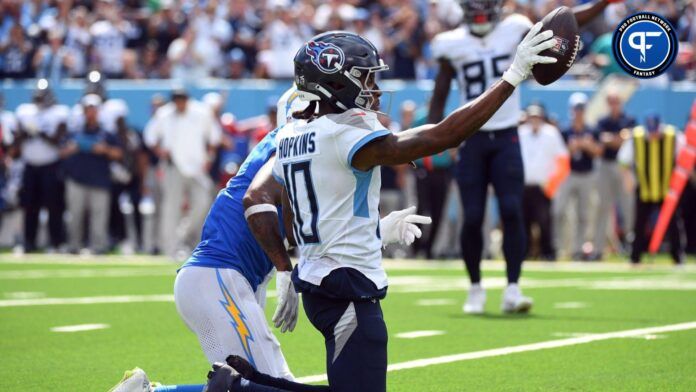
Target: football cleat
[220,379]
[476,300]
[133,381]
[514,301]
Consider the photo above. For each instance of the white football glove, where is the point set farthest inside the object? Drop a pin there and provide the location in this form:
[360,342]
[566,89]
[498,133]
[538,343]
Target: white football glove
[528,54]
[285,316]
[399,226]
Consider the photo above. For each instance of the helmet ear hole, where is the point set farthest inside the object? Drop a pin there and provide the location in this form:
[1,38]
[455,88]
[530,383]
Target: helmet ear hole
[335,85]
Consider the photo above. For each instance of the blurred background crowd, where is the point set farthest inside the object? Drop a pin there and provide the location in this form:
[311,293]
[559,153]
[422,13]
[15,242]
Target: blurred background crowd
[190,39]
[81,177]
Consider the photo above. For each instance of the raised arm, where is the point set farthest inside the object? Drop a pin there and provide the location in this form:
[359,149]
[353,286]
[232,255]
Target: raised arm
[586,12]
[443,82]
[458,126]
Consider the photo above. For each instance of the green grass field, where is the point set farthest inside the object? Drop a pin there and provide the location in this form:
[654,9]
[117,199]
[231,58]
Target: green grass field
[576,307]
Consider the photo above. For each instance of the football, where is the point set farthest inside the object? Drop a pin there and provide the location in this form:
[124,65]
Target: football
[565,31]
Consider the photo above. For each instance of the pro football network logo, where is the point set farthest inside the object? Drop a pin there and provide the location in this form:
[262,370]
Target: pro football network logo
[329,58]
[645,45]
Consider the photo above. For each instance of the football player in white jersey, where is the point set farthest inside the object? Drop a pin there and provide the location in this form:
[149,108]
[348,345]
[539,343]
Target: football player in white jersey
[220,292]
[329,168]
[476,54]
[42,128]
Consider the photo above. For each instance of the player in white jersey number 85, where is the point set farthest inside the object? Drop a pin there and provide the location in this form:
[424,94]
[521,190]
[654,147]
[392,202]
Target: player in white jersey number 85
[328,167]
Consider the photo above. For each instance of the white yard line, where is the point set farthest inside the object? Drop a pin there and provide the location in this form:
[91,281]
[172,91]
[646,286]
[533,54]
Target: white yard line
[436,302]
[569,305]
[58,259]
[116,299]
[496,352]
[418,334]
[79,328]
[86,273]
[389,264]
[561,266]
[397,286]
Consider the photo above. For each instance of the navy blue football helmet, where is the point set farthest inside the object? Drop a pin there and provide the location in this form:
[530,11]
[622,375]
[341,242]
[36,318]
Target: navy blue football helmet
[339,68]
[481,15]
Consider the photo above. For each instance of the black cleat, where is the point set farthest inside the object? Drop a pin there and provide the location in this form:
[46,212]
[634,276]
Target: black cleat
[220,379]
[242,366]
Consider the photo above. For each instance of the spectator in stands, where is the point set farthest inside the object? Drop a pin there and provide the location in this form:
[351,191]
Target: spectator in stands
[280,40]
[544,156]
[578,187]
[88,156]
[166,25]
[184,134]
[651,150]
[53,61]
[15,54]
[602,56]
[342,9]
[405,40]
[361,25]
[236,64]
[192,58]
[609,180]
[153,66]
[109,34]
[245,24]
[77,41]
[42,129]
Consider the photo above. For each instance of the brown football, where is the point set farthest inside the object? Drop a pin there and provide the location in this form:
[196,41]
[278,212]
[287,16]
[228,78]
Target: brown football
[565,31]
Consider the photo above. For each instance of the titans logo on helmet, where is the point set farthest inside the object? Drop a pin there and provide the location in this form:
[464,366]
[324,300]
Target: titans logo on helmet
[329,58]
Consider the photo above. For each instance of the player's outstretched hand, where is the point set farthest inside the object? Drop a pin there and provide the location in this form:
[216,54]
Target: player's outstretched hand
[400,226]
[285,316]
[528,54]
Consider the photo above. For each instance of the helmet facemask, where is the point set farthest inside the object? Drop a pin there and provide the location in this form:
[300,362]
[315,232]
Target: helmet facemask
[366,79]
[481,15]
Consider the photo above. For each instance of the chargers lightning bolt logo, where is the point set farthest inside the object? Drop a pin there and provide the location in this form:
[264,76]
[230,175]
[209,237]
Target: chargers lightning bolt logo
[329,58]
[238,319]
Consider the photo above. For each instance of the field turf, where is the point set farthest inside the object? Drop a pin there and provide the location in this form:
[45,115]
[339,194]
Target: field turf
[591,317]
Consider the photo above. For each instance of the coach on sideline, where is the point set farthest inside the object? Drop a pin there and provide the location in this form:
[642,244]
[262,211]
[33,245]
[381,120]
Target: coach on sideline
[184,134]
[88,156]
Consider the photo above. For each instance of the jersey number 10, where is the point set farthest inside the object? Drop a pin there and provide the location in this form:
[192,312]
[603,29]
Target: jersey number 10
[291,172]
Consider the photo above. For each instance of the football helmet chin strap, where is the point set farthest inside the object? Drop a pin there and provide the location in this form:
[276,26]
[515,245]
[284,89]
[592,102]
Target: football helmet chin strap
[481,29]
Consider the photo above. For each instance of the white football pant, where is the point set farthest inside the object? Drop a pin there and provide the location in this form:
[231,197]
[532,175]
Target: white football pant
[220,307]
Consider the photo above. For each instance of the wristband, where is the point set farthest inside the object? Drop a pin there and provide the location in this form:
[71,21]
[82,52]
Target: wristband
[258,208]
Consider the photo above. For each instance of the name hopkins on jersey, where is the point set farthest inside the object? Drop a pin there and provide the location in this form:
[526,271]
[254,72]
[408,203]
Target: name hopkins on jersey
[295,146]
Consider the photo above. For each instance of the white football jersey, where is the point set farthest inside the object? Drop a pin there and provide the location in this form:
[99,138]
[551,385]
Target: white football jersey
[35,120]
[480,62]
[109,112]
[335,206]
